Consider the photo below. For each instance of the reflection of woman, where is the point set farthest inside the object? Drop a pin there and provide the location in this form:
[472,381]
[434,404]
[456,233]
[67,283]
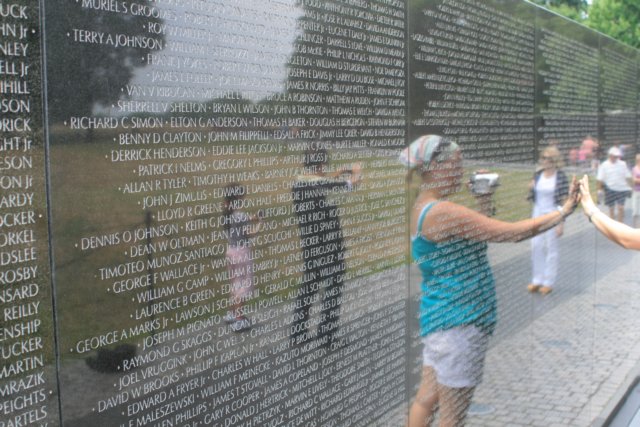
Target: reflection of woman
[549,189]
[613,230]
[458,303]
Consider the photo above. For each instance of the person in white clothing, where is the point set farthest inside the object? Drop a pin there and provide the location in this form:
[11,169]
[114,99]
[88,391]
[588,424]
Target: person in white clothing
[613,177]
[548,190]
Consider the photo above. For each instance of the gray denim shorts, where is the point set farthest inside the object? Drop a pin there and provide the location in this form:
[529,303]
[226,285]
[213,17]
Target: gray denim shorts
[456,355]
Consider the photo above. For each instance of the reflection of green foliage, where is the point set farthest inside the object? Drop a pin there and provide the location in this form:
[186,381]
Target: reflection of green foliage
[619,19]
[570,12]
[572,9]
[90,74]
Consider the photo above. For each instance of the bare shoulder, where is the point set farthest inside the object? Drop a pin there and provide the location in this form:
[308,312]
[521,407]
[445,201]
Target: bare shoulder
[446,211]
[446,220]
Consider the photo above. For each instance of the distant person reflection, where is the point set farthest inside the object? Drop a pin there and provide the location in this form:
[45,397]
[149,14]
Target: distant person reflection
[613,177]
[548,190]
[587,153]
[617,232]
[321,242]
[458,303]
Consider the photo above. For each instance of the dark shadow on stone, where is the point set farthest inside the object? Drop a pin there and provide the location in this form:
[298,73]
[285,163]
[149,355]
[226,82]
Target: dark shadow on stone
[111,360]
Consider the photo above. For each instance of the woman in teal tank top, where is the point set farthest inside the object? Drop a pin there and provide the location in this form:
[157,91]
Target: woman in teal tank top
[457,283]
[458,301]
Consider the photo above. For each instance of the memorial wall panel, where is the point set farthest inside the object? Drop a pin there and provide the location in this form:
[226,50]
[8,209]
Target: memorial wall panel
[210,262]
[472,75]
[28,389]
[204,219]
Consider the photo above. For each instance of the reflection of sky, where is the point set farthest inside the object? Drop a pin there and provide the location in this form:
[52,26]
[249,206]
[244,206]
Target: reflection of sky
[219,47]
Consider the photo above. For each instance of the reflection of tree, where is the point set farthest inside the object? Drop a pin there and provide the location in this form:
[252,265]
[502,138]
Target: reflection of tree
[572,9]
[619,19]
[227,106]
[84,75]
[310,44]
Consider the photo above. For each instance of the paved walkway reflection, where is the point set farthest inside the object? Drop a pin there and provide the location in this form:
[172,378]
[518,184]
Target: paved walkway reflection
[562,359]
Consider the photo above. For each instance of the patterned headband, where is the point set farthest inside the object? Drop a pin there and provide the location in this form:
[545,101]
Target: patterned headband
[421,151]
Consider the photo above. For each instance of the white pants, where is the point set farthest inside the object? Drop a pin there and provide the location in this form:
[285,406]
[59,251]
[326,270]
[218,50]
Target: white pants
[544,258]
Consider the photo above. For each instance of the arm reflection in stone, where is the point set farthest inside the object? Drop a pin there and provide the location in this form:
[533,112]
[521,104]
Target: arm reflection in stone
[617,232]
[322,242]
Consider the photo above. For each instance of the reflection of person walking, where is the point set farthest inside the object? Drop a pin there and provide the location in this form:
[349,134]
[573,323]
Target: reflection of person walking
[612,178]
[321,242]
[239,227]
[549,189]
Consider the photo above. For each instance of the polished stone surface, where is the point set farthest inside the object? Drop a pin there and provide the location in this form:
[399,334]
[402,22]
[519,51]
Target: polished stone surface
[121,262]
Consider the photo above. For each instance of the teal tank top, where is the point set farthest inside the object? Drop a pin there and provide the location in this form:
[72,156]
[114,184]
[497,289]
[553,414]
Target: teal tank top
[457,283]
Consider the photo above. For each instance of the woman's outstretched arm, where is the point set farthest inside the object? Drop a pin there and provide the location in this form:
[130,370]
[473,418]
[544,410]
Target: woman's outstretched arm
[617,232]
[449,220]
